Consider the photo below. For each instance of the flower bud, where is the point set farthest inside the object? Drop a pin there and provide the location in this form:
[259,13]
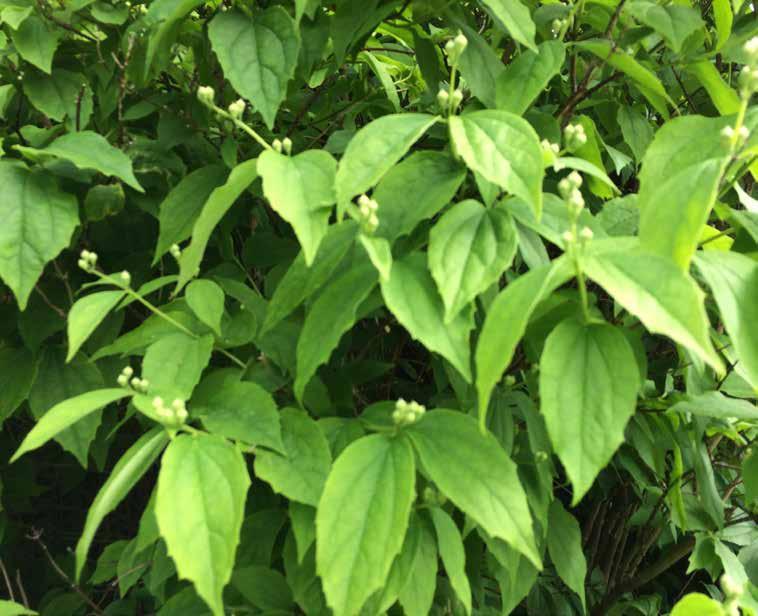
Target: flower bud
[135,383]
[122,380]
[575,203]
[574,137]
[277,145]
[175,251]
[549,152]
[206,94]
[461,42]
[586,234]
[287,145]
[565,188]
[555,26]
[751,50]
[568,237]
[237,109]
[510,380]
[83,265]
[443,99]
[364,200]
[456,99]
[143,385]
[575,178]
[125,277]
[731,587]
[748,81]
[128,371]
[727,135]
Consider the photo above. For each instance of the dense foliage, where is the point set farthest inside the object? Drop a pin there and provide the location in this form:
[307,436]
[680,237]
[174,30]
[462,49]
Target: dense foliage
[378,306]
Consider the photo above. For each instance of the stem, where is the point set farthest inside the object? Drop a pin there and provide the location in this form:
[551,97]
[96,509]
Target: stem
[451,88]
[582,289]
[241,125]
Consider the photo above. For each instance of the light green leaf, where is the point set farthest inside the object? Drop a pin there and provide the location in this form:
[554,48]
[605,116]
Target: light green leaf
[163,17]
[182,206]
[221,199]
[86,314]
[515,18]
[301,472]
[685,162]
[673,22]
[18,369]
[733,279]
[385,78]
[173,365]
[38,220]
[564,544]
[301,190]
[504,149]
[514,306]
[36,42]
[206,299]
[715,404]
[11,608]
[453,555]
[588,388]
[200,504]
[414,190]
[697,604]
[14,16]
[332,314]
[258,55]
[375,149]
[587,167]
[527,76]
[379,253]
[476,474]
[469,248]
[66,413]
[362,519]
[659,294]
[411,296]
[726,100]
[417,595]
[480,66]
[128,471]
[242,411]
[723,16]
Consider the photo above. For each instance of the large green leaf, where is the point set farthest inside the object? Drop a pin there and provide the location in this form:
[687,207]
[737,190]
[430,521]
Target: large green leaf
[527,76]
[473,471]
[697,603]
[301,472]
[200,504]
[206,299]
[375,149]
[36,42]
[301,190]
[417,595]
[86,314]
[362,519]
[564,544]
[515,18]
[411,296]
[673,22]
[684,163]
[588,388]
[11,608]
[57,95]
[733,278]
[452,554]
[469,248]
[218,204]
[659,294]
[128,471]
[173,365]
[38,220]
[717,405]
[504,149]
[258,55]
[480,66]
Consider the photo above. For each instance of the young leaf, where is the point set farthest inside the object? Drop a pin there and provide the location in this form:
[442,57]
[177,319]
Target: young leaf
[469,248]
[38,220]
[11,608]
[206,299]
[588,387]
[128,471]
[66,413]
[527,76]
[258,55]
[453,555]
[375,149]
[659,294]
[504,149]
[173,365]
[301,472]
[564,544]
[515,18]
[163,18]
[417,595]
[411,296]
[86,314]
[200,504]
[362,519]
[476,474]
[301,190]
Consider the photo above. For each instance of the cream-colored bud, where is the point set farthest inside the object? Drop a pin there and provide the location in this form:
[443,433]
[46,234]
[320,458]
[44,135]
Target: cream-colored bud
[586,234]
[125,277]
[128,371]
[568,237]
[277,145]
[122,380]
[287,145]
[206,94]
[237,109]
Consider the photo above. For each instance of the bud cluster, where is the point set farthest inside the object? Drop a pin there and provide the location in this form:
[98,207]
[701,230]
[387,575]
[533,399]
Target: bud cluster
[748,79]
[568,188]
[176,413]
[550,152]
[368,208]
[237,109]
[127,379]
[87,260]
[448,102]
[283,145]
[407,413]
[574,137]
[731,137]
[557,25]
[455,47]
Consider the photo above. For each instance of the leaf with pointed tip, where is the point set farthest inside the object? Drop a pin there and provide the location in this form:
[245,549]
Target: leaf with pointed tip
[673,22]
[174,363]
[515,18]
[86,314]
[36,41]
[527,76]
[206,299]
[564,544]
[452,554]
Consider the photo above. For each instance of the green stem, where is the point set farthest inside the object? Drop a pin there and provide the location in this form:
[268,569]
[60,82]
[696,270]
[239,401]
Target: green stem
[241,125]
[715,237]
[451,88]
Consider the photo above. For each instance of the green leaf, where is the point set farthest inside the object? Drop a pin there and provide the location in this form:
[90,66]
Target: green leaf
[18,370]
[56,95]
[750,475]
[659,294]
[589,168]
[301,281]
[89,150]
[588,387]
[163,17]
[242,411]
[182,206]
[65,414]
[36,42]
[685,162]
[697,604]
[476,474]
[733,279]
[723,16]
[411,296]
[564,544]
[453,555]
[200,504]
[717,405]
[330,316]
[258,55]
[514,306]
[206,299]
[379,253]
[504,149]
[301,472]
[375,149]
[414,190]
[515,18]
[38,220]
[128,471]
[636,130]
[218,204]
[362,519]
[11,608]
[86,314]
[480,66]
[726,100]
[301,190]
[417,595]
[469,248]
[173,365]
[263,587]
[675,23]
[527,76]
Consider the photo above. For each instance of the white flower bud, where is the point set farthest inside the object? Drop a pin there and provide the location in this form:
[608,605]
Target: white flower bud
[575,202]
[568,237]
[565,188]
[175,251]
[83,265]
[727,135]
[743,135]
[373,205]
[556,26]
[135,383]
[122,380]
[457,98]
[125,277]
[575,178]
[287,145]
[443,98]
[751,49]
[206,94]
[157,402]
[365,212]
[586,234]
[143,385]
[461,42]
[748,80]
[364,200]
[277,145]
[237,109]
[128,371]
[731,587]
[177,404]
[373,222]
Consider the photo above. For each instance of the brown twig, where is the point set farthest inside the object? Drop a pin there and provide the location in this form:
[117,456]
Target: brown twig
[21,590]
[7,580]
[59,311]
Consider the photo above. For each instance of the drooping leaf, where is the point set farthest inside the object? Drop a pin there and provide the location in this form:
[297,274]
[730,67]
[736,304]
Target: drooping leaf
[206,299]
[528,75]
[452,554]
[86,314]
[564,544]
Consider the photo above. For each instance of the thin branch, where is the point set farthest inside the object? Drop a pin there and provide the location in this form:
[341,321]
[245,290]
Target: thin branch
[20,584]
[7,580]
